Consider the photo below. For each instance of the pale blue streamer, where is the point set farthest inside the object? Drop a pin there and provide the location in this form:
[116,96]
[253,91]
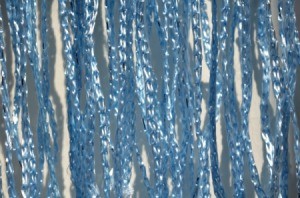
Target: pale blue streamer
[89,10]
[202,182]
[185,97]
[264,47]
[125,131]
[246,68]
[152,118]
[112,55]
[74,114]
[292,42]
[213,98]
[175,168]
[51,155]
[230,100]
[277,75]
[140,88]
[7,117]
[283,31]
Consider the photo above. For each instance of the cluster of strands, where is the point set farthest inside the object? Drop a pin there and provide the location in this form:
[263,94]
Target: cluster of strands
[22,28]
[134,86]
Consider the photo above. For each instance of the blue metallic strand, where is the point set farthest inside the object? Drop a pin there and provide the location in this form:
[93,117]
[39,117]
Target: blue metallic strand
[74,114]
[51,155]
[7,117]
[247,69]
[276,81]
[175,168]
[152,117]
[125,130]
[202,183]
[86,27]
[213,86]
[292,42]
[112,55]
[230,101]
[185,98]
[264,46]
[283,32]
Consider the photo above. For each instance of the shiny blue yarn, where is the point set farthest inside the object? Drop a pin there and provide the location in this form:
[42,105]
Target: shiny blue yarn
[213,86]
[283,32]
[185,97]
[264,46]
[51,154]
[229,97]
[292,41]
[109,9]
[246,68]
[161,101]
[7,118]
[74,114]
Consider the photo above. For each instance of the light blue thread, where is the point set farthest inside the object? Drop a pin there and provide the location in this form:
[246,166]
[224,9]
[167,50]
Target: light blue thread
[27,160]
[86,28]
[7,118]
[45,79]
[29,183]
[205,33]
[276,79]
[229,97]
[140,87]
[121,125]
[112,55]
[152,120]
[125,130]
[264,46]
[292,41]
[74,114]
[185,97]
[16,103]
[175,168]
[283,32]
[202,186]
[246,68]
[213,102]
[163,33]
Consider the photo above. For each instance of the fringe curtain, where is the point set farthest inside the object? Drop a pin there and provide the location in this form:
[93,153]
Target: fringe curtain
[170,103]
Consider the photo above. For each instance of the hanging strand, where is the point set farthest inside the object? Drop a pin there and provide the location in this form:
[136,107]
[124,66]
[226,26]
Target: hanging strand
[7,117]
[230,102]
[112,56]
[213,97]
[264,47]
[74,114]
[51,154]
[292,42]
